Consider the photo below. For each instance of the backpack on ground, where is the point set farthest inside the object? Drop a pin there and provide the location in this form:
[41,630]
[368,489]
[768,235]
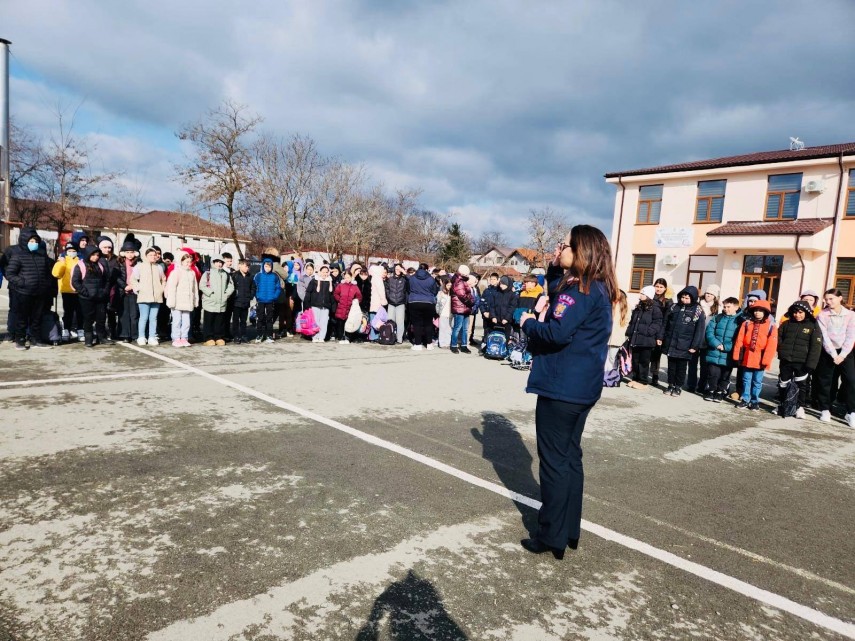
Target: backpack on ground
[791,401]
[611,378]
[306,323]
[519,355]
[380,317]
[50,330]
[495,346]
[388,333]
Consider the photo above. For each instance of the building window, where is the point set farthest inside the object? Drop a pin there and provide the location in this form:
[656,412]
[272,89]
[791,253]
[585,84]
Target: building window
[763,272]
[850,200]
[702,271]
[642,271]
[710,205]
[845,279]
[649,205]
[782,197]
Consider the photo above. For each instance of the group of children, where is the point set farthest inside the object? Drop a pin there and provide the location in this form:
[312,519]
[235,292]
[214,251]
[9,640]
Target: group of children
[705,339]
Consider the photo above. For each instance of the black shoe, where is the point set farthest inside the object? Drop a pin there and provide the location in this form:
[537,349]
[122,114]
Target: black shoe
[742,405]
[676,391]
[535,546]
[89,345]
[754,406]
[454,350]
[465,350]
[654,381]
[708,396]
[668,389]
[573,544]
[20,346]
[718,397]
[106,340]
[39,345]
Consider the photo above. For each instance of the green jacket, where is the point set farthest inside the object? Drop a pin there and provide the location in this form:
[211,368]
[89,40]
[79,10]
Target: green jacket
[215,287]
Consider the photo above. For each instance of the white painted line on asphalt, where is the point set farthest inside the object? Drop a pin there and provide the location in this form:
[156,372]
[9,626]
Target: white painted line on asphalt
[86,379]
[816,617]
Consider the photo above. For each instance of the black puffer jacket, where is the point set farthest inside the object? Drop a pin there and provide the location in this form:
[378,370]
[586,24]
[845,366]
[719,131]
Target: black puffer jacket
[645,325]
[504,301]
[244,289]
[319,293]
[29,273]
[95,284]
[800,342]
[364,289]
[397,288]
[685,327]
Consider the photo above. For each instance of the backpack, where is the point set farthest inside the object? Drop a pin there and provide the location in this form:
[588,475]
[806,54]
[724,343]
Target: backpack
[623,362]
[520,357]
[380,317]
[495,346]
[791,402]
[611,378]
[306,323]
[388,333]
[50,328]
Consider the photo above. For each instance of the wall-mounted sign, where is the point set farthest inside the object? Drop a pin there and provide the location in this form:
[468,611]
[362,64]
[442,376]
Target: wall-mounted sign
[674,236]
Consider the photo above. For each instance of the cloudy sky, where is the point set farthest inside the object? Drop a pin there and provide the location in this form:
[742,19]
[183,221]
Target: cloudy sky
[492,107]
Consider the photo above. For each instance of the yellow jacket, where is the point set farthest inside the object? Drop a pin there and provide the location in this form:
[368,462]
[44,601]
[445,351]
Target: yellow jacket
[62,272]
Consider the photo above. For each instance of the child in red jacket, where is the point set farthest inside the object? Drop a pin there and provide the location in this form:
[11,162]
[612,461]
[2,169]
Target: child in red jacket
[754,349]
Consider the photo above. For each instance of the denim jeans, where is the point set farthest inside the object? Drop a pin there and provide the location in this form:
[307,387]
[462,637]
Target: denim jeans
[148,313]
[180,325]
[459,330]
[752,383]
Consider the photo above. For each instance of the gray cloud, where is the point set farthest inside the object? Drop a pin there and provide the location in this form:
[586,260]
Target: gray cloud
[491,107]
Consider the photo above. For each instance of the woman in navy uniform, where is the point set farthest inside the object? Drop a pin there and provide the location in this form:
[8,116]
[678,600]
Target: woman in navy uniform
[569,348]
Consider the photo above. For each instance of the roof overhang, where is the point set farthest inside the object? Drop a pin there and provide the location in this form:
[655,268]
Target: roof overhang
[808,235]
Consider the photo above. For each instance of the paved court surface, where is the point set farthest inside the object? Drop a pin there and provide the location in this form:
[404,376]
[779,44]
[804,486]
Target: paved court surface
[143,500]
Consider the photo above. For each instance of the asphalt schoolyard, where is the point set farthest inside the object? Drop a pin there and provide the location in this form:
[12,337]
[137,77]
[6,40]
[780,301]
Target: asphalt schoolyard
[304,491]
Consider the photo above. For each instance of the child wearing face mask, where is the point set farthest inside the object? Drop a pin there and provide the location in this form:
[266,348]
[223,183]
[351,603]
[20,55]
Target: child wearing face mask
[72,323]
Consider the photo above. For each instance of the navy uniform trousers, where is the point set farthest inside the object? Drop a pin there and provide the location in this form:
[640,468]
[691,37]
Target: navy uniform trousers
[559,447]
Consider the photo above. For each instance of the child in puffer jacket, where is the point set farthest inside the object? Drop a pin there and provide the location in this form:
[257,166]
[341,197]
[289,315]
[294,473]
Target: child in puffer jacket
[720,334]
[799,349]
[645,327]
[684,335]
[754,350]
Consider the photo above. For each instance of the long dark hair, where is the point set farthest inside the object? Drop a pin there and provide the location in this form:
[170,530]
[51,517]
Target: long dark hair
[592,261]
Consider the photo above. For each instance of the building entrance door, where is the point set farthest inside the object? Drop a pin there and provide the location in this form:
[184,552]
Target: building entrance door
[763,272]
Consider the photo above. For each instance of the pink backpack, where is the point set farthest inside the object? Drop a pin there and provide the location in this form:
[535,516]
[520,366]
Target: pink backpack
[306,323]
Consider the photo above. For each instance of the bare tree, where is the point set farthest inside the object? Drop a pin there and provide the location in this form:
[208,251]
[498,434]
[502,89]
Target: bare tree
[546,228]
[59,179]
[488,240]
[430,232]
[220,170]
[284,195]
[341,205]
[26,159]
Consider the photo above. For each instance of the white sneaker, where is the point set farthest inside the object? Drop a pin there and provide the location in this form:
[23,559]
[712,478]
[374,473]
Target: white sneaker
[258,339]
[268,340]
[153,341]
[416,348]
[81,336]
[66,335]
[141,341]
[825,417]
[850,419]
[431,346]
[344,341]
[800,413]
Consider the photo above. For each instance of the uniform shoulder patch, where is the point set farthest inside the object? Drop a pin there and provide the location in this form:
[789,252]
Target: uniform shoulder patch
[564,302]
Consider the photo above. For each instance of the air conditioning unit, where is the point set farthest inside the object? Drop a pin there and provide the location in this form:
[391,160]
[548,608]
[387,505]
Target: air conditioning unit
[815,186]
[670,260]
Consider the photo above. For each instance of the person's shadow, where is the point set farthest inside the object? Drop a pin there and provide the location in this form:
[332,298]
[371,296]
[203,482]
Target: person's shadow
[414,611]
[504,448]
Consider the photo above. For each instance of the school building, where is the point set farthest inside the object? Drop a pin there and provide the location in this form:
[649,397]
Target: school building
[780,221]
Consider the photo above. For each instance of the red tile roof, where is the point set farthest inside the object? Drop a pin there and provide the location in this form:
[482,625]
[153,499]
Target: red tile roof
[803,227]
[782,155]
[97,218]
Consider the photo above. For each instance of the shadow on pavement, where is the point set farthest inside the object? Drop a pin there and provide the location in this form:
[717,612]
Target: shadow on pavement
[413,611]
[504,448]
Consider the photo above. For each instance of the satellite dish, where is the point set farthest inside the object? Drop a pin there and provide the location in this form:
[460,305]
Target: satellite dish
[796,144]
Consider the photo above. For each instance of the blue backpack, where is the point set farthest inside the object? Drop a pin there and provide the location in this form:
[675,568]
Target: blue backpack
[496,346]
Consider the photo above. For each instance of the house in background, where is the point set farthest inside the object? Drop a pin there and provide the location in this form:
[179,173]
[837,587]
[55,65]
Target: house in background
[521,260]
[169,230]
[780,221]
[319,255]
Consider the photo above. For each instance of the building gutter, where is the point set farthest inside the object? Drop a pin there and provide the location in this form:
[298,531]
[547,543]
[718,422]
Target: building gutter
[835,231]
[801,260]
[620,217]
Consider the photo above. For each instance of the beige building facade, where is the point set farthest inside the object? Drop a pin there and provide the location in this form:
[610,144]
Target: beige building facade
[781,221]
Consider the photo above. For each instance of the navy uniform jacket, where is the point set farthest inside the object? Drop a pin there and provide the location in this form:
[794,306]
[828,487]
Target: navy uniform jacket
[570,345]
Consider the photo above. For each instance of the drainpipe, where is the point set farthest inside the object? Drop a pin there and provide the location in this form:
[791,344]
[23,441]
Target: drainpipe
[620,217]
[835,230]
[801,260]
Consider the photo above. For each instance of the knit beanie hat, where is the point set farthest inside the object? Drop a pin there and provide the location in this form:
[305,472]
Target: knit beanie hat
[463,270]
[713,289]
[649,291]
[800,306]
